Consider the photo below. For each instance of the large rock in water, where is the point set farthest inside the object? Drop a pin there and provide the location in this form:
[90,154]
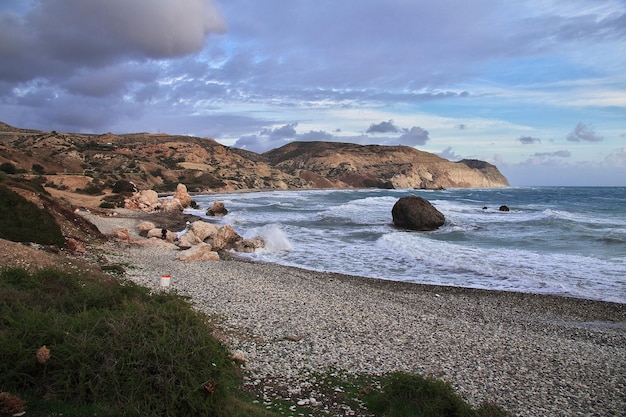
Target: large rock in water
[416,213]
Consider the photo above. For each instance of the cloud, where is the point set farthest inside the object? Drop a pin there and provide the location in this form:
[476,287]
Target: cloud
[449,154]
[314,136]
[582,132]
[527,140]
[55,37]
[383,127]
[560,154]
[268,138]
[617,158]
[413,137]
[284,132]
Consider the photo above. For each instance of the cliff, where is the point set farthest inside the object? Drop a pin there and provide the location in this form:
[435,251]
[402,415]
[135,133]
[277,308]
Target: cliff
[352,165]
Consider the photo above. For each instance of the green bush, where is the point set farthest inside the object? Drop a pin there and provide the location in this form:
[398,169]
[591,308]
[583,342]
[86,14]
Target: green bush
[38,169]
[113,347]
[124,186]
[411,395]
[8,168]
[22,221]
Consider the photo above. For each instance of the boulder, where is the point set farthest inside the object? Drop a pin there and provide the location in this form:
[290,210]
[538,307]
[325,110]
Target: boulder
[504,208]
[249,245]
[200,252]
[416,213]
[171,205]
[74,245]
[217,209]
[147,197]
[204,230]
[226,237]
[182,195]
[145,226]
[144,200]
[158,233]
[155,242]
[188,240]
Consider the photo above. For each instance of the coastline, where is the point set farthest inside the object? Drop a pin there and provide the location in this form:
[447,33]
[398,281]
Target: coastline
[532,354]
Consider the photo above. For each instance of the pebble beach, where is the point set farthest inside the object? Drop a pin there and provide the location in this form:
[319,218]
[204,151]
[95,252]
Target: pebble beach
[534,355]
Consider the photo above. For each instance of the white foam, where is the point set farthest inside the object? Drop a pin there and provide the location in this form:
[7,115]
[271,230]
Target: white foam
[275,238]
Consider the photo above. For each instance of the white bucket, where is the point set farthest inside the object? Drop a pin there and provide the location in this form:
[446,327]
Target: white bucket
[165,280]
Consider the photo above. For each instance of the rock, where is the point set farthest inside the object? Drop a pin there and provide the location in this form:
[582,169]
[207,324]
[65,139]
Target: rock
[157,243]
[158,233]
[504,208]
[204,230]
[75,246]
[249,245]
[226,237]
[145,226]
[171,205]
[239,357]
[217,209]
[416,213]
[188,240]
[144,200]
[182,195]
[147,197]
[120,234]
[200,252]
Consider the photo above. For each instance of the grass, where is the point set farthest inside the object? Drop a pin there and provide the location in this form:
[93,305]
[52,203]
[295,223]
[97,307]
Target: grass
[410,395]
[22,221]
[115,350]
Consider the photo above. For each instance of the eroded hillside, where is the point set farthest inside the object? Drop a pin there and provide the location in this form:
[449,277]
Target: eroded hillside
[90,164]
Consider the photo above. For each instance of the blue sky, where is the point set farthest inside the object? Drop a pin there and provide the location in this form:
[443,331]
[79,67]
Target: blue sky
[537,87]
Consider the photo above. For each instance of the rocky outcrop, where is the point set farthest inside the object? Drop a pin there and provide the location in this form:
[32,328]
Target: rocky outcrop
[182,195]
[416,213]
[203,234]
[148,200]
[217,209]
[200,252]
[352,165]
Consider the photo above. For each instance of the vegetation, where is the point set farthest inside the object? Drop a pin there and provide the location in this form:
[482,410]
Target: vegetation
[93,345]
[38,169]
[410,395]
[22,221]
[124,186]
[8,168]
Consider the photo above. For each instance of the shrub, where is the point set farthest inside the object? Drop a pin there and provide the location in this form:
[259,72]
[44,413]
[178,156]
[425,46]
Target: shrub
[8,167]
[38,169]
[93,188]
[22,221]
[110,345]
[411,395]
[124,186]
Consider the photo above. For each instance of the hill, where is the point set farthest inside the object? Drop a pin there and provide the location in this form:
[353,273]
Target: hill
[92,163]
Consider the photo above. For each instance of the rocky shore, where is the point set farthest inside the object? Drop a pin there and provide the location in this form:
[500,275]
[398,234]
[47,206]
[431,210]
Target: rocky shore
[534,355]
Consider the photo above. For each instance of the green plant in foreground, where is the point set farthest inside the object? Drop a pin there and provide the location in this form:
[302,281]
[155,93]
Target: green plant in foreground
[411,395]
[111,348]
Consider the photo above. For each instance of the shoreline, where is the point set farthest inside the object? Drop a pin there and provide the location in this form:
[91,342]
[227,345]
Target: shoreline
[533,354]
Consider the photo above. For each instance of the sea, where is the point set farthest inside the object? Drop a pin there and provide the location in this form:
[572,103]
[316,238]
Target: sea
[567,241]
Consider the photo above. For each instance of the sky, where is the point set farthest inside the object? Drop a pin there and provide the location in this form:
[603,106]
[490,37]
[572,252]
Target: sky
[536,87]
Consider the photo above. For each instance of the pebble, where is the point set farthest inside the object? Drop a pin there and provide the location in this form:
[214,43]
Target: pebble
[533,355]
